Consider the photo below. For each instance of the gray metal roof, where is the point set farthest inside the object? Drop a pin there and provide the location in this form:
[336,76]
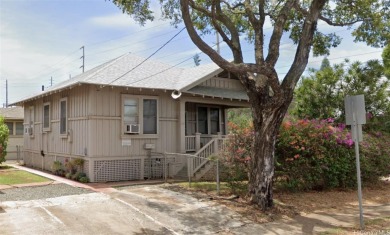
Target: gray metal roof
[126,71]
[12,113]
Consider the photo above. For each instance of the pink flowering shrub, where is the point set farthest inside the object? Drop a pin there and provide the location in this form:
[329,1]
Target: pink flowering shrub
[236,156]
[310,154]
[314,154]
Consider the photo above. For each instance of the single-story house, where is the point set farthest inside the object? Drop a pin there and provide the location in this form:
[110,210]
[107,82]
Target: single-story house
[123,113]
[13,118]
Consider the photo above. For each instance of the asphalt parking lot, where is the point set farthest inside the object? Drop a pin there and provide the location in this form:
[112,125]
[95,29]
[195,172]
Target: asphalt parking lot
[131,210]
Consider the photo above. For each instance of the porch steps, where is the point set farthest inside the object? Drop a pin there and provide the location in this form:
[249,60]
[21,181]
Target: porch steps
[204,170]
[183,173]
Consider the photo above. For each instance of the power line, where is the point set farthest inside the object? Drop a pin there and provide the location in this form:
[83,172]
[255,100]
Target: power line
[147,57]
[128,35]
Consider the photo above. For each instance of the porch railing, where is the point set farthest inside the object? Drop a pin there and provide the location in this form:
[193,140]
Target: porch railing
[190,143]
[201,157]
[193,143]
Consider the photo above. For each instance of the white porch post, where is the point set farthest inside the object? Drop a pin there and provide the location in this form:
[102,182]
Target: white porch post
[225,121]
[215,145]
[182,126]
[197,141]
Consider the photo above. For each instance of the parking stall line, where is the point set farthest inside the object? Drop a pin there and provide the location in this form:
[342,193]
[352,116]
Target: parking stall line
[147,216]
[51,215]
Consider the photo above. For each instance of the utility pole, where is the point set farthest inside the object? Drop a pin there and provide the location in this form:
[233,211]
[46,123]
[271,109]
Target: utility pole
[82,57]
[6,93]
[51,81]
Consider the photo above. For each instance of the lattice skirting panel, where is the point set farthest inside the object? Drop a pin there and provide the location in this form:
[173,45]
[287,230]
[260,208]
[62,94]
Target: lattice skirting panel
[117,170]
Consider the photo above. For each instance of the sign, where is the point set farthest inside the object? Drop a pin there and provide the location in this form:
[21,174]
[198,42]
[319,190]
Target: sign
[354,105]
[126,142]
[355,115]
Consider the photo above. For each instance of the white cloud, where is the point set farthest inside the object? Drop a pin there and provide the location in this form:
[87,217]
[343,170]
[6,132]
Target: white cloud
[117,20]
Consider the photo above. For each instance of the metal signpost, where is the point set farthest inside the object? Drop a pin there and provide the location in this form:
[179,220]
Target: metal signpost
[355,115]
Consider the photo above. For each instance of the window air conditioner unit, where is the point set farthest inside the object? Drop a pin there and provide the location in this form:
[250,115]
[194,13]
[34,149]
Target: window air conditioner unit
[132,129]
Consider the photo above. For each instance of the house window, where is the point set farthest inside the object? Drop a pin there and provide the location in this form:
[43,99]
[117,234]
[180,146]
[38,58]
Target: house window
[214,120]
[29,130]
[10,126]
[150,116]
[208,120]
[130,114]
[63,116]
[202,120]
[46,117]
[19,128]
[139,115]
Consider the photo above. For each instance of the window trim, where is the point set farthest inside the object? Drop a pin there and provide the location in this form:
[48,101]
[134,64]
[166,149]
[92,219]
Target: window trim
[43,117]
[140,100]
[64,134]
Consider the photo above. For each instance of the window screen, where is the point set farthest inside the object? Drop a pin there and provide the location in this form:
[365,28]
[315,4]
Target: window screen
[202,120]
[131,111]
[19,128]
[46,116]
[63,117]
[10,126]
[150,116]
[214,119]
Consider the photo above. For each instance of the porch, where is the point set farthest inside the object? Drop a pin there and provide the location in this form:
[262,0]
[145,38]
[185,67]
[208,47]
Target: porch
[203,123]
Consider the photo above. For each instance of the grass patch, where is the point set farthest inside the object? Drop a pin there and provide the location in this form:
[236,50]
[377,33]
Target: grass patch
[20,177]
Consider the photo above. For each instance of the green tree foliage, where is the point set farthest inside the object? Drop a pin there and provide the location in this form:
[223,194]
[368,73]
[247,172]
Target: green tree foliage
[4,132]
[386,60]
[321,94]
[269,95]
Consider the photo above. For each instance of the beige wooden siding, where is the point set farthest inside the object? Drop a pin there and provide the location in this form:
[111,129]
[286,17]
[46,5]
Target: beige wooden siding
[51,142]
[105,123]
[224,83]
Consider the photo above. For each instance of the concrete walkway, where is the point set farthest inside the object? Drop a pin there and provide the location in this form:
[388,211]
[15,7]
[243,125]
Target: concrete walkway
[181,214]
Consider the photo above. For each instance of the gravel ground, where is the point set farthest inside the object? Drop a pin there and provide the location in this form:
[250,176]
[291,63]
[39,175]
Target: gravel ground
[40,192]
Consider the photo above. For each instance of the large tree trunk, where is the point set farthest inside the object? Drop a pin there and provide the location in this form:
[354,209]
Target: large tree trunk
[267,117]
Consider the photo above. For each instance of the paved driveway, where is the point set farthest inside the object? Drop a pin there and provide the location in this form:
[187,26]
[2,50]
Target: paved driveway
[132,210]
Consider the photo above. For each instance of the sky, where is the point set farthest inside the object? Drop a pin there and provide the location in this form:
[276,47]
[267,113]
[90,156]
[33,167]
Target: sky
[41,40]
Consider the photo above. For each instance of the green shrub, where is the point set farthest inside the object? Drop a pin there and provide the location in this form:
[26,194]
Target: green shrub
[310,155]
[68,175]
[78,163]
[375,156]
[4,133]
[314,154]
[57,168]
[84,179]
[234,160]
[70,167]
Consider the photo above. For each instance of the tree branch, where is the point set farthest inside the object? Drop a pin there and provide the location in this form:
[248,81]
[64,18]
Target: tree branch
[326,20]
[257,26]
[304,46]
[274,45]
[216,14]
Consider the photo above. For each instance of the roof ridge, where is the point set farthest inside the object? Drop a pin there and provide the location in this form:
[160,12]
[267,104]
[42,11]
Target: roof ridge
[105,65]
